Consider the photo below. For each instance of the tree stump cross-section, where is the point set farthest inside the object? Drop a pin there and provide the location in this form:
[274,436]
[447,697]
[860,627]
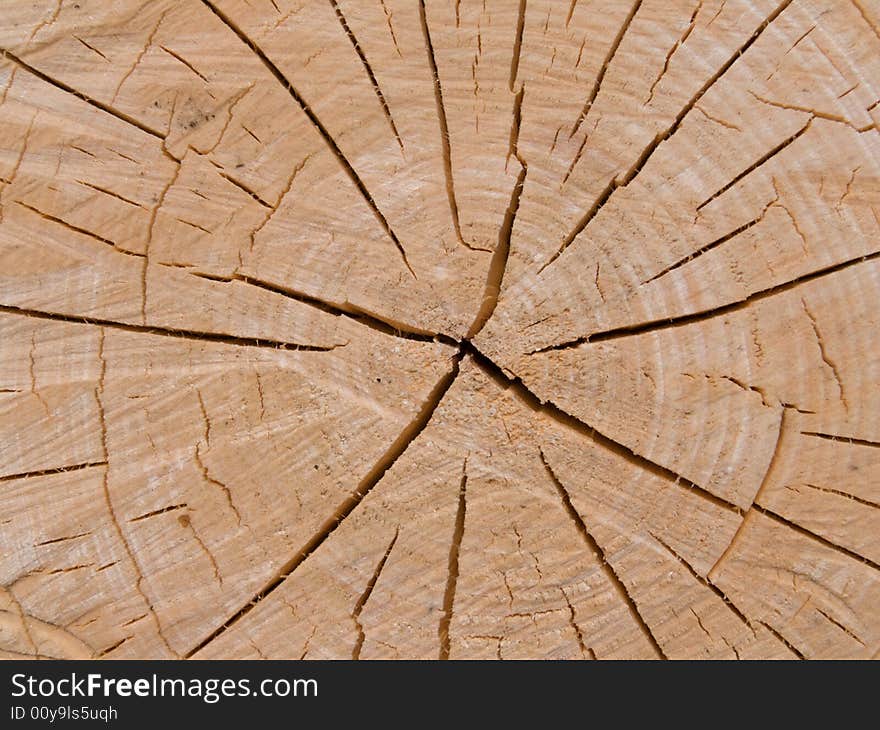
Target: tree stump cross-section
[440,329]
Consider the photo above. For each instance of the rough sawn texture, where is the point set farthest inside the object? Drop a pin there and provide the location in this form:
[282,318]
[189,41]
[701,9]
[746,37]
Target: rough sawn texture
[440,329]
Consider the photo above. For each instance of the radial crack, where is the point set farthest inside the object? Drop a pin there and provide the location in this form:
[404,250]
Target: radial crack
[52,470]
[365,596]
[843,628]
[366,64]
[498,263]
[76,229]
[595,549]
[864,14]
[517,46]
[809,534]
[845,495]
[186,63]
[80,95]
[681,40]
[317,124]
[160,511]
[453,566]
[766,157]
[600,77]
[714,244]
[362,316]
[555,413]
[791,647]
[444,129]
[683,320]
[168,331]
[843,439]
[710,585]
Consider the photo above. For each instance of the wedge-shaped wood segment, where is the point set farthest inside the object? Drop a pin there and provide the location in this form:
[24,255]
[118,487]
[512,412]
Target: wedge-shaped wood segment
[442,330]
[222,455]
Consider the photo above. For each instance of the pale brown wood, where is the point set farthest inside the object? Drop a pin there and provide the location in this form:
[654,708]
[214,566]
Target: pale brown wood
[432,329]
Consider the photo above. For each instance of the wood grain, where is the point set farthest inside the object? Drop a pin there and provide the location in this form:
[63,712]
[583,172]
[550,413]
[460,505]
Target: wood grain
[444,330]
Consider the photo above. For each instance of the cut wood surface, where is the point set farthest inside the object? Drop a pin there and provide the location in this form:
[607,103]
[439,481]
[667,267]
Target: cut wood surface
[440,329]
